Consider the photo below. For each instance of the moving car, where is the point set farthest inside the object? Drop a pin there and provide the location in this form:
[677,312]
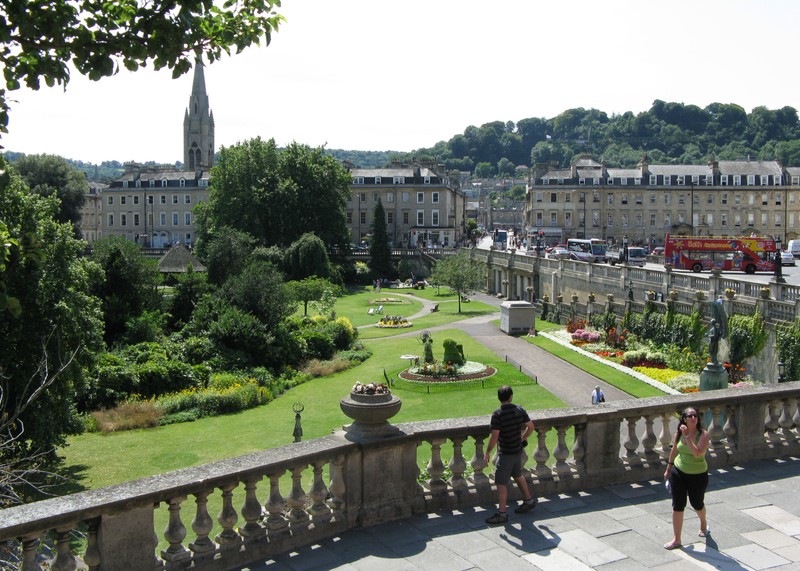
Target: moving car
[581,256]
[658,251]
[787,259]
[558,254]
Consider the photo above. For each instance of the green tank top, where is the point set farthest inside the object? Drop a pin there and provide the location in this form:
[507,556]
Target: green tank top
[687,462]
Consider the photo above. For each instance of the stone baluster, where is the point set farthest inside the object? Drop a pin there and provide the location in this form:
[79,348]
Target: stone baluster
[228,538]
[578,450]
[730,428]
[176,554]
[458,465]
[561,451]
[202,546]
[479,479]
[30,546]
[436,467]
[65,560]
[649,439]
[796,419]
[665,436]
[774,411]
[542,454]
[158,564]
[276,522]
[631,443]
[337,487]
[319,510]
[251,512]
[786,422]
[298,517]
[715,431]
[92,555]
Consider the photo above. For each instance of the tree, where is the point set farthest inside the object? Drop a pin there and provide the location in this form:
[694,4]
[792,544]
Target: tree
[277,195]
[307,257]
[94,37]
[380,260]
[310,290]
[460,273]
[225,255]
[128,284]
[50,175]
[50,336]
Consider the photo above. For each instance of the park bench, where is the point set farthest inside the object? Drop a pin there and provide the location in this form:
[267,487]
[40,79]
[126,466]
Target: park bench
[435,307]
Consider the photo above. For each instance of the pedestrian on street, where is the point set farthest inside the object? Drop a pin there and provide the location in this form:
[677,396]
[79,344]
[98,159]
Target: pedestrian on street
[687,473]
[511,427]
[597,395]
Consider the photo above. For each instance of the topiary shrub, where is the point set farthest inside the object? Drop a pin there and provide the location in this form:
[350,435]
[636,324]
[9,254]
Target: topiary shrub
[451,352]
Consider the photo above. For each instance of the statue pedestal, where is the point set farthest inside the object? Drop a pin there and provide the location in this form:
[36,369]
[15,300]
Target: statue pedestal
[713,377]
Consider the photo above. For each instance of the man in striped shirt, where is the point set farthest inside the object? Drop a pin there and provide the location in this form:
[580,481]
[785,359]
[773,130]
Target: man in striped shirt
[511,427]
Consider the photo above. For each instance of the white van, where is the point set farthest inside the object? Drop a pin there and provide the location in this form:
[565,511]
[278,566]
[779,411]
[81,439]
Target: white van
[794,248]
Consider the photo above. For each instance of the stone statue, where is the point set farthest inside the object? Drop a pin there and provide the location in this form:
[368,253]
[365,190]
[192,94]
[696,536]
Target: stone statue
[717,330]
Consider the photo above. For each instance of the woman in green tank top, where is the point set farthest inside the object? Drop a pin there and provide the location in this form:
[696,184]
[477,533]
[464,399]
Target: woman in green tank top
[687,473]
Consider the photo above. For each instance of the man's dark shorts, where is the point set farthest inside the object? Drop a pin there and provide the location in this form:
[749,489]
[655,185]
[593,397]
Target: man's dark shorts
[508,466]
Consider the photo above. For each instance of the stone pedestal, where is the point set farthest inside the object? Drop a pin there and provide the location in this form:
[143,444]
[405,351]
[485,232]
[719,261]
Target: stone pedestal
[713,376]
[370,414]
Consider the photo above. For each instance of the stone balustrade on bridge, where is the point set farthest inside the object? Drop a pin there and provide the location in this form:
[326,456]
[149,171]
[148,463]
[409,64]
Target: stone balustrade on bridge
[276,500]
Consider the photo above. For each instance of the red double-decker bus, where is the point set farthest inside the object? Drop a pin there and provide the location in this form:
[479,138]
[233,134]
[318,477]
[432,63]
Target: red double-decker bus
[698,253]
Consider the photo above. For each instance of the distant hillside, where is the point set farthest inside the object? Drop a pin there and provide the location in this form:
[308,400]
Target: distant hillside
[364,159]
[103,172]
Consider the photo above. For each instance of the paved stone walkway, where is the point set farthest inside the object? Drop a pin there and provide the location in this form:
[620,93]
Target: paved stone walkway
[753,512]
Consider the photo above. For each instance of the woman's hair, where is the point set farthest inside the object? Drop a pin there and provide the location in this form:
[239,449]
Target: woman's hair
[682,420]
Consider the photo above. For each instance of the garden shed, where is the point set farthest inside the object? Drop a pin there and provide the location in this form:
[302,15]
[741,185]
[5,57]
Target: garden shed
[517,317]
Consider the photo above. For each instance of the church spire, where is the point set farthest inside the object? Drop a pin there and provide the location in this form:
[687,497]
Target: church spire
[198,125]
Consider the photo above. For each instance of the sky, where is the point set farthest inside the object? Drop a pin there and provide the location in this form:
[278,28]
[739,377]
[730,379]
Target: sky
[380,75]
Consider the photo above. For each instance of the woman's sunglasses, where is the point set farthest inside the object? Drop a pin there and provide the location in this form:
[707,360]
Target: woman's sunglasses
[691,416]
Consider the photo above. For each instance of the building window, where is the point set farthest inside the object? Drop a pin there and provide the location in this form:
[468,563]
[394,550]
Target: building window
[187,218]
[560,181]
[358,180]
[362,217]
[390,217]
[667,199]
[723,219]
[174,218]
[764,179]
[695,179]
[420,198]
[375,196]
[426,180]
[420,218]
[406,196]
[568,219]
[152,183]
[162,199]
[405,217]
[399,180]
[637,181]
[710,198]
[737,199]
[751,199]
[546,181]
[653,179]
[362,197]
[435,198]
[764,199]
[681,180]
[609,219]
[568,197]
[681,199]
[553,218]
[150,199]
[653,220]
[124,184]
[174,199]
[377,180]
[349,216]
[610,180]
[136,199]
[737,219]
[163,183]
[434,217]
[723,180]
[110,200]
[737,180]
[162,218]
[110,219]
[553,197]
[624,219]
[724,198]
[187,198]
[751,180]
[135,219]
[667,220]
[123,200]
[539,196]
[390,198]
[596,181]
[582,181]
[778,219]
[652,199]
[623,181]
[667,180]
[638,199]
[610,198]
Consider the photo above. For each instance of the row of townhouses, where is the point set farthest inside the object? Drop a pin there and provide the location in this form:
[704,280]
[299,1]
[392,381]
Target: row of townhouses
[424,204]
[722,198]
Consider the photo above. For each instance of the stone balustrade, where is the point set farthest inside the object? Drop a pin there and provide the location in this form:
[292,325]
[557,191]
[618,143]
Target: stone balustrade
[277,500]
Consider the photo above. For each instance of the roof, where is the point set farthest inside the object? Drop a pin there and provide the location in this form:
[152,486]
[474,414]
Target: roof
[625,173]
[685,170]
[558,173]
[177,261]
[388,173]
[750,167]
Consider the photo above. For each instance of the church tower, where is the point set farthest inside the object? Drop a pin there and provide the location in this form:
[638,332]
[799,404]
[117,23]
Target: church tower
[198,126]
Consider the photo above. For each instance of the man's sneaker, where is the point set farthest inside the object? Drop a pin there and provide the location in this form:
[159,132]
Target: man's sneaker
[526,506]
[497,519]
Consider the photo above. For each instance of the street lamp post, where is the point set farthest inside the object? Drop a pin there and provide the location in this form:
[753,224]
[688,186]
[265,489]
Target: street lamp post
[624,256]
[778,263]
[781,371]
[630,290]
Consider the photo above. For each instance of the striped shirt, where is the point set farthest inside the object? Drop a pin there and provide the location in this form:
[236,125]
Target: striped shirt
[509,419]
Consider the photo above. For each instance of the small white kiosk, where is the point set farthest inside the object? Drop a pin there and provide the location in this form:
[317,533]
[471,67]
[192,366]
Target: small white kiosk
[517,317]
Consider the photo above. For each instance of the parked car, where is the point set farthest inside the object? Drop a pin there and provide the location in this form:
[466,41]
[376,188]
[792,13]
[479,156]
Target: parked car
[658,251]
[787,259]
[558,254]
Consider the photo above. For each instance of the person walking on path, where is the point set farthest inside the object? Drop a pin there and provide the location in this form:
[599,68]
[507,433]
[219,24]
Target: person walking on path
[687,474]
[511,427]
[597,395]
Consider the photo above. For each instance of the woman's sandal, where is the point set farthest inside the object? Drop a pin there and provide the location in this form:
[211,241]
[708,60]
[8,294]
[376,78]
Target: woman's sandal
[704,532]
[672,545]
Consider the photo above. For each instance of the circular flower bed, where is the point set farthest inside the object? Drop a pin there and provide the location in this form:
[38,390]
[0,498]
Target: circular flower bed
[447,372]
[394,321]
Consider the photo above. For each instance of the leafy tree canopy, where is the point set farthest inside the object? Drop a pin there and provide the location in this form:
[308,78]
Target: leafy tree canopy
[41,37]
[460,273]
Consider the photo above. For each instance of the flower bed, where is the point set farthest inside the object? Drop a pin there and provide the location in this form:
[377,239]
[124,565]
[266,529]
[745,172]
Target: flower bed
[394,322]
[447,372]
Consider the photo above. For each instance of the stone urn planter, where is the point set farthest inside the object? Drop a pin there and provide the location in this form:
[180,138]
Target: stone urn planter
[370,414]
[700,295]
[560,298]
[610,297]
[673,295]
[764,292]
[574,297]
[730,294]
[651,296]
[591,298]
